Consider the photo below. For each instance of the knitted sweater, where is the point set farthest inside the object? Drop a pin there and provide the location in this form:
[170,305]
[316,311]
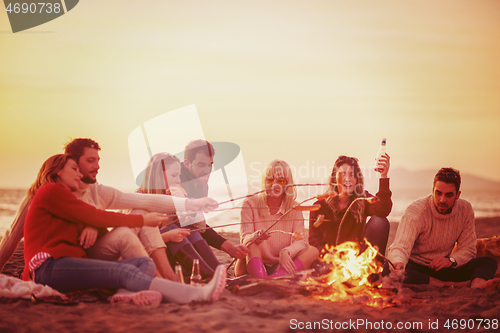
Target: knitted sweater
[424,234]
[54,221]
[354,223]
[272,246]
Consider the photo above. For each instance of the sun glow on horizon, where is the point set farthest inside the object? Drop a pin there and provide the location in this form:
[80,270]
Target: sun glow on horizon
[300,81]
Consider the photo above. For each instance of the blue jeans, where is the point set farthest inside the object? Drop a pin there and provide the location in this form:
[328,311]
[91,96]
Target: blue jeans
[377,233]
[68,274]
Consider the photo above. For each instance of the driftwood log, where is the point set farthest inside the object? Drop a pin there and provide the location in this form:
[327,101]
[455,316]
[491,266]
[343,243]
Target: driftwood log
[490,247]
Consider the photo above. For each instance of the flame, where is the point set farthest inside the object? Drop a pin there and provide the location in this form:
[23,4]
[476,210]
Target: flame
[351,276]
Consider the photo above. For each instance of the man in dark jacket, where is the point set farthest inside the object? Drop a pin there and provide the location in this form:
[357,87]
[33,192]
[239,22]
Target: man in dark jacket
[195,173]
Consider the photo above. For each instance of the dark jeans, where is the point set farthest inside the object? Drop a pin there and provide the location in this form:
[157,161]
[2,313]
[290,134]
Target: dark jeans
[482,267]
[72,274]
[173,246]
[377,233]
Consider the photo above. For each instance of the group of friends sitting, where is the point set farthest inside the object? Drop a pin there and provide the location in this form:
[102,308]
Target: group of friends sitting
[64,220]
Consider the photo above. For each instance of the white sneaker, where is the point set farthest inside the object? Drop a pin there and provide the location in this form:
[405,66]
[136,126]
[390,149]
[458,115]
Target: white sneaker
[219,280]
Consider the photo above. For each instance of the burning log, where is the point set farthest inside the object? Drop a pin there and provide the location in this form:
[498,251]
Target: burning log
[490,247]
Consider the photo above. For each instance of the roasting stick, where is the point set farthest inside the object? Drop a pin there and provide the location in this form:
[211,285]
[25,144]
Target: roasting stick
[228,225]
[182,214]
[251,195]
[247,196]
[238,223]
[320,220]
[347,211]
[386,259]
[296,207]
[244,197]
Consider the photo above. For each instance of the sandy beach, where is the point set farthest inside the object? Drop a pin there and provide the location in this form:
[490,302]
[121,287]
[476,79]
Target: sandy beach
[423,309]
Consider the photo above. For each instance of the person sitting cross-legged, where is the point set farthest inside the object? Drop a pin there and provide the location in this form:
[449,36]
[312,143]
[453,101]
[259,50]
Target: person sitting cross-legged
[428,232]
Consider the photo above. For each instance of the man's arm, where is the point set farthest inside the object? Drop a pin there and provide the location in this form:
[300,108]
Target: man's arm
[239,251]
[59,201]
[110,198]
[408,231]
[467,241]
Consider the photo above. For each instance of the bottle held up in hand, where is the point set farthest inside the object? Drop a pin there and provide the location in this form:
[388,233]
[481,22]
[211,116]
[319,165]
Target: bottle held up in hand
[195,275]
[381,151]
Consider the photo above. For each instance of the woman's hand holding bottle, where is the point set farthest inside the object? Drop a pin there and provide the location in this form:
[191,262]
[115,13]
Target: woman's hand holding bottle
[383,164]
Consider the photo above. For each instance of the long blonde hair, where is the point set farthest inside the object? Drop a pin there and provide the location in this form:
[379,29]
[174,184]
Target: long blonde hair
[155,181]
[48,172]
[290,191]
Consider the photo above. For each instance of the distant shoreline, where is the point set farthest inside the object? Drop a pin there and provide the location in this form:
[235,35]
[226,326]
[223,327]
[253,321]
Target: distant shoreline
[485,227]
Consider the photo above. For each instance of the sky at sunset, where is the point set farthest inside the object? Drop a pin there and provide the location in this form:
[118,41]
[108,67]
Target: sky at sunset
[304,81]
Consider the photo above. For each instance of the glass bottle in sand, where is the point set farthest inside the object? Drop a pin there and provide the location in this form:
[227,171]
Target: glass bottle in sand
[195,275]
[178,272]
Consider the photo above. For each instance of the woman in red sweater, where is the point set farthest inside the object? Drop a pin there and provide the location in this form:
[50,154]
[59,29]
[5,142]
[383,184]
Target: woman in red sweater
[54,256]
[342,223]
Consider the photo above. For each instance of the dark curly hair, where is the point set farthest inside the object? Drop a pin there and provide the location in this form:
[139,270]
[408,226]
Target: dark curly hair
[198,146]
[76,147]
[449,176]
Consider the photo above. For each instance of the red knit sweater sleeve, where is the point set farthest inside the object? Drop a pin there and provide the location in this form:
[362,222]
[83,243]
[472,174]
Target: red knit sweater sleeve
[60,202]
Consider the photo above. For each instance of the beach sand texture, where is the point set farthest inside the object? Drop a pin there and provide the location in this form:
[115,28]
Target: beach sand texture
[267,311]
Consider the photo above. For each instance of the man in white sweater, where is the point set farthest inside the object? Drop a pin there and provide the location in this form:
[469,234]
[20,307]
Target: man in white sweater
[429,229]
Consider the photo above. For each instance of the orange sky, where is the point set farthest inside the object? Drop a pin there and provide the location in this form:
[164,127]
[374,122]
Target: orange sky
[304,81]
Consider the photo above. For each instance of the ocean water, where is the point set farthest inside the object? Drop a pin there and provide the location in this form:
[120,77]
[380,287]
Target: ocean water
[484,204]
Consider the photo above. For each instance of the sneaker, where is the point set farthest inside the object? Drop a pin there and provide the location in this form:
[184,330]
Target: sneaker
[144,297]
[220,282]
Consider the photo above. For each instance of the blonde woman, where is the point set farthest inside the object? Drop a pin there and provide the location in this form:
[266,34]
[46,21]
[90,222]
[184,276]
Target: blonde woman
[277,252]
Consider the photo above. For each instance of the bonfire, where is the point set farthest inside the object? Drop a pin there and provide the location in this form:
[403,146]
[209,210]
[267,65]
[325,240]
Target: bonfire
[345,275]
[350,276]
